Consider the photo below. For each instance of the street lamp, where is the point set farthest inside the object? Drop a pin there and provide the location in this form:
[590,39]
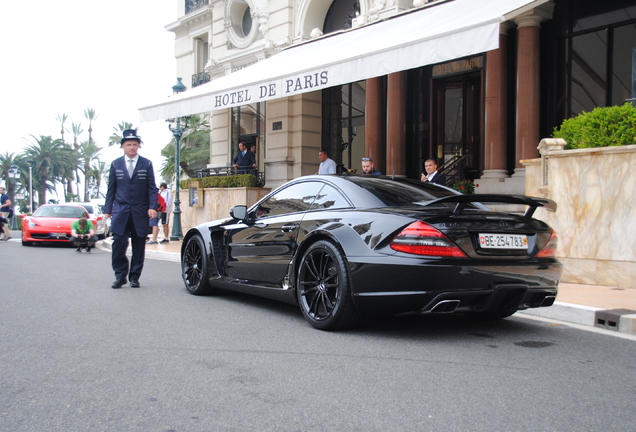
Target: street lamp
[177,131]
[14,173]
[30,190]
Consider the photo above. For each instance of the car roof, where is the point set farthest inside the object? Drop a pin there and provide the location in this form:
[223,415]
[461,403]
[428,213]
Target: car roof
[355,187]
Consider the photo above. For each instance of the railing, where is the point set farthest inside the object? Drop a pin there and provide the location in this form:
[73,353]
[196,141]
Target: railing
[230,170]
[454,169]
[192,5]
[200,78]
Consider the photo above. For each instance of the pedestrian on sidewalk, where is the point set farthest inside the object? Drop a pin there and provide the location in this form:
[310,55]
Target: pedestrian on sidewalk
[5,209]
[131,200]
[165,215]
[154,222]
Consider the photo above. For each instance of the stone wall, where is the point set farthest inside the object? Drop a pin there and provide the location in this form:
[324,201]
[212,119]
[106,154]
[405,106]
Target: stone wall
[217,203]
[595,191]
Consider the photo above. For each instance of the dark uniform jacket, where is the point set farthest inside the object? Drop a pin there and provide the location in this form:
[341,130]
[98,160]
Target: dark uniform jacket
[130,196]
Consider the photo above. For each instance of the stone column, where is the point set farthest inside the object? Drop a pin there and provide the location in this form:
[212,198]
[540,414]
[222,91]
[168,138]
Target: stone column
[496,111]
[527,88]
[374,131]
[396,124]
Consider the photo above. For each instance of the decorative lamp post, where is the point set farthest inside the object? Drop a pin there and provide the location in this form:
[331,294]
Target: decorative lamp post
[177,131]
[14,173]
[30,190]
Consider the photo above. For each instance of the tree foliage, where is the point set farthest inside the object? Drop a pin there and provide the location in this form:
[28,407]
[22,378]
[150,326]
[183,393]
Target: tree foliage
[194,148]
[51,160]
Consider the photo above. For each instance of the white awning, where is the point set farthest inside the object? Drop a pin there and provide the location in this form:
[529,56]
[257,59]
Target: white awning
[433,34]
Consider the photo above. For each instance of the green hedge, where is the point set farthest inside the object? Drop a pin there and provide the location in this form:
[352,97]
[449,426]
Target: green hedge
[603,127]
[240,180]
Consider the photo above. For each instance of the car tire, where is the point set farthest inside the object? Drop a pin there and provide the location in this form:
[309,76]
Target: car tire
[323,290]
[194,267]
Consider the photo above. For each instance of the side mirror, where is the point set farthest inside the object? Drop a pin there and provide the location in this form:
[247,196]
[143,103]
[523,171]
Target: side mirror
[239,212]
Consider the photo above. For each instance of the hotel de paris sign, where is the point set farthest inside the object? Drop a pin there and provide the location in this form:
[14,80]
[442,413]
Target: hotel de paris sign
[318,80]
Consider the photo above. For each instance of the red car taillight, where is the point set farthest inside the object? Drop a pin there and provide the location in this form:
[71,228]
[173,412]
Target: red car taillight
[421,238]
[549,250]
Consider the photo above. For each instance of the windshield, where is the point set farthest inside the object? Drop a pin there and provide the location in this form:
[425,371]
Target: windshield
[60,211]
[89,208]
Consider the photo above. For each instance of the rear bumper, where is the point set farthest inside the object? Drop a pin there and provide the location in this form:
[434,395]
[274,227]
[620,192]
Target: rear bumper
[384,288]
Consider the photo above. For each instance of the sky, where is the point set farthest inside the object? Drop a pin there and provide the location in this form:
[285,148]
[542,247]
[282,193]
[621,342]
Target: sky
[65,56]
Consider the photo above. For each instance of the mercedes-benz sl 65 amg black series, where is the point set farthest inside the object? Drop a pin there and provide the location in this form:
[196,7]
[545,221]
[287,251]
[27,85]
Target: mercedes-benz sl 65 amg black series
[342,247]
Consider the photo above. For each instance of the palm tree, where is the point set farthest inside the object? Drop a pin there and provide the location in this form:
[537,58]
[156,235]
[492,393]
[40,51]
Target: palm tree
[90,115]
[61,118]
[99,171]
[194,148]
[115,138]
[88,153]
[51,160]
[77,130]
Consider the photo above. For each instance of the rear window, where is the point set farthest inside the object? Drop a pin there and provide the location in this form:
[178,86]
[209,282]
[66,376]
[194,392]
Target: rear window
[402,192]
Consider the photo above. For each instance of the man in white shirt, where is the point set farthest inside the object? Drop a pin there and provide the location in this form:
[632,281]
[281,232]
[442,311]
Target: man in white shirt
[165,216]
[431,174]
[327,166]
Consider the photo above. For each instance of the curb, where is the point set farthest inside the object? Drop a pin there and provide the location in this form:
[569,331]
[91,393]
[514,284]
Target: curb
[572,313]
[150,253]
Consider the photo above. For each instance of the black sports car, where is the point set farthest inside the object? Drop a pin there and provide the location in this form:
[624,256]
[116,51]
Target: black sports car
[342,247]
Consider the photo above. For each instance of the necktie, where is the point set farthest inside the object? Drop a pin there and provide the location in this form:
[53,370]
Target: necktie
[131,168]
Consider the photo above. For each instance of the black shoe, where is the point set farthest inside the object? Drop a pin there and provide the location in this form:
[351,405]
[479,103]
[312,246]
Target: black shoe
[88,250]
[134,283]
[118,283]
[78,250]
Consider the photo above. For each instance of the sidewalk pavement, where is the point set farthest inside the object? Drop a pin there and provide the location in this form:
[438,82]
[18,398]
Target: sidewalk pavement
[609,308]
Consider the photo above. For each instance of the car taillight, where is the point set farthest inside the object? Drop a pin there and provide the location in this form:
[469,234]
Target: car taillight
[421,238]
[549,249]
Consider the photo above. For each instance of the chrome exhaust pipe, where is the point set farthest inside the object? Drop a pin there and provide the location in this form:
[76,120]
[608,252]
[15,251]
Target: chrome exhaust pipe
[445,306]
[548,301]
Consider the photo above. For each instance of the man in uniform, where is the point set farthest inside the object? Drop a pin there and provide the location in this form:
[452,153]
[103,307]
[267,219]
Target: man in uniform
[131,200]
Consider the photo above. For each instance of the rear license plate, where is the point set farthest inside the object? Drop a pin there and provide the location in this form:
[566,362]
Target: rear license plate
[503,241]
[58,235]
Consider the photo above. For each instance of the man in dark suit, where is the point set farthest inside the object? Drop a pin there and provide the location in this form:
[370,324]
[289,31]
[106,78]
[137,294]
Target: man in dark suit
[431,174]
[244,161]
[131,200]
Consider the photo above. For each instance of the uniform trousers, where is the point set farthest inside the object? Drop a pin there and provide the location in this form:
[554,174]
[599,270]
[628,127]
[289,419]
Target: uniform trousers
[120,246]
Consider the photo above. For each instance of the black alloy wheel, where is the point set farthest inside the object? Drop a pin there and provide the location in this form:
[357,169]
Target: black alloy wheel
[323,291]
[194,267]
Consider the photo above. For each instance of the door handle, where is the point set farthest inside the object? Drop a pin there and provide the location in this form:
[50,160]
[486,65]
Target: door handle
[288,227]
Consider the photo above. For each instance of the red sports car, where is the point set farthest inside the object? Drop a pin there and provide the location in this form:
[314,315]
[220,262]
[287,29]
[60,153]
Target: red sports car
[51,223]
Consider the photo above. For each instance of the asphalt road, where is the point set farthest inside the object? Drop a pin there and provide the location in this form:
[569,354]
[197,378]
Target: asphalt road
[76,355]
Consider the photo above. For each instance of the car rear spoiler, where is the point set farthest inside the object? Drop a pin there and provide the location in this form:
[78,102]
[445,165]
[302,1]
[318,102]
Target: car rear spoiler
[462,200]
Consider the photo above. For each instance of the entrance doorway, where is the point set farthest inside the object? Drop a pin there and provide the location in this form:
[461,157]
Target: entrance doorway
[456,124]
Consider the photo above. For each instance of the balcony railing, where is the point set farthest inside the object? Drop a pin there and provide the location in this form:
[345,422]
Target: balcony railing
[200,78]
[192,5]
